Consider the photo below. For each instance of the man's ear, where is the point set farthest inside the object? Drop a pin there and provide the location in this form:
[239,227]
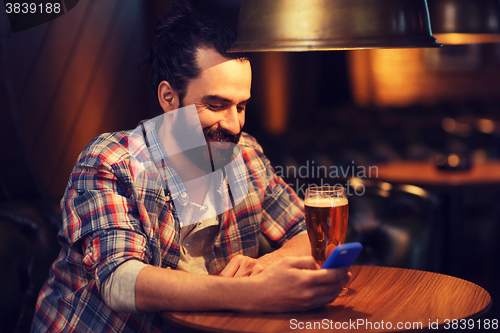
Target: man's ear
[168,97]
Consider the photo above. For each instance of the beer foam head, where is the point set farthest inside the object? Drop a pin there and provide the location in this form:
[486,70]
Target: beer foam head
[325,202]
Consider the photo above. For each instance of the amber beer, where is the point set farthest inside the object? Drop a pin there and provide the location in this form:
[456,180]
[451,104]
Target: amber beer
[326,221]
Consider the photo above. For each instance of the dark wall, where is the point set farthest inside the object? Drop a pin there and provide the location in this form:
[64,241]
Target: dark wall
[63,83]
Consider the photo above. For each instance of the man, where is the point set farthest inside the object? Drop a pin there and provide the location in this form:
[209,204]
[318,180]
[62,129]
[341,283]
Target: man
[148,227]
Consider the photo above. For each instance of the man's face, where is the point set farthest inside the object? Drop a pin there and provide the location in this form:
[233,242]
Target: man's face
[220,95]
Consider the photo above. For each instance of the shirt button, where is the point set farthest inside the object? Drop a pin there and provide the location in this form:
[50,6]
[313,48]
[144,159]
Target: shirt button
[183,195]
[203,208]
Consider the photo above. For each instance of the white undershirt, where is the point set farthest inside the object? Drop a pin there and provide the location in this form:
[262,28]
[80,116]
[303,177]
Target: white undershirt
[118,290]
[197,239]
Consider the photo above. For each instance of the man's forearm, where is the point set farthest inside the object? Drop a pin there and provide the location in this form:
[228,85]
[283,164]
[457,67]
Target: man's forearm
[160,289]
[298,246]
[290,284]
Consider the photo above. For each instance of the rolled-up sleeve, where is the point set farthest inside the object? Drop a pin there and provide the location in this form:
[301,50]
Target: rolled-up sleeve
[283,212]
[106,250]
[102,219]
[281,208]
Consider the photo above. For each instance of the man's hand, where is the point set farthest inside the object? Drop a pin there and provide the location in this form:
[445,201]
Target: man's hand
[290,284]
[242,266]
[296,284]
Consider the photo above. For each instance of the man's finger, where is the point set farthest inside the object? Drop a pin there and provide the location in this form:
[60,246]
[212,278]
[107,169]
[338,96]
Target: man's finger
[230,269]
[243,270]
[302,262]
[257,269]
[327,276]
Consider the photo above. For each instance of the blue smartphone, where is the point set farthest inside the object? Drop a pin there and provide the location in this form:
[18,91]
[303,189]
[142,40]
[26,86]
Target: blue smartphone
[343,255]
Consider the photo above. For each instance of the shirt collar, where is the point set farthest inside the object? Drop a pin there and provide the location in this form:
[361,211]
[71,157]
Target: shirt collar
[175,186]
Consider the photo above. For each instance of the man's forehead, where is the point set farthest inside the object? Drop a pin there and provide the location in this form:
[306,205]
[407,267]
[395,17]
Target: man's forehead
[207,58]
[220,99]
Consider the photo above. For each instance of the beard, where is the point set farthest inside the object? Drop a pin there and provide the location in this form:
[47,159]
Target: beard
[221,157]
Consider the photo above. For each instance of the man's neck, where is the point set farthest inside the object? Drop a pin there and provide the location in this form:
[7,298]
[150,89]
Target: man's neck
[192,176]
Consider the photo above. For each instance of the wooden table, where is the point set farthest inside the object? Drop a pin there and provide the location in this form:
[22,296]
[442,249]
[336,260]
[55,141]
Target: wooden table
[385,297]
[450,186]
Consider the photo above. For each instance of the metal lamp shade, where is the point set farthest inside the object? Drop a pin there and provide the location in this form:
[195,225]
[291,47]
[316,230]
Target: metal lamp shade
[465,21]
[308,25]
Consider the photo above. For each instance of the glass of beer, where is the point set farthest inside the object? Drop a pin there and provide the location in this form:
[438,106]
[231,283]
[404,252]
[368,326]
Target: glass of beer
[326,212]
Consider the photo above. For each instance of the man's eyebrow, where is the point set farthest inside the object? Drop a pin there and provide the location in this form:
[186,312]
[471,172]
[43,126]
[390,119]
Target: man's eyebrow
[216,98]
[246,101]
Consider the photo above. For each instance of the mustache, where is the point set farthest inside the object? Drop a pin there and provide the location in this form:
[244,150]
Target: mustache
[221,135]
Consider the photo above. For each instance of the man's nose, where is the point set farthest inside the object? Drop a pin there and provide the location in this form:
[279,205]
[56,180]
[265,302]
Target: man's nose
[231,121]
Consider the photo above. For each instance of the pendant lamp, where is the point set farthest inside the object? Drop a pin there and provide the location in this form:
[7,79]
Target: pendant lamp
[465,21]
[309,25]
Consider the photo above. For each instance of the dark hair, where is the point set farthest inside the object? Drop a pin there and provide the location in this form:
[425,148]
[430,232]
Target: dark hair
[178,35]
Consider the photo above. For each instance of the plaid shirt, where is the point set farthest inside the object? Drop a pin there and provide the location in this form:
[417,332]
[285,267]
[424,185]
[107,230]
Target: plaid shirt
[110,216]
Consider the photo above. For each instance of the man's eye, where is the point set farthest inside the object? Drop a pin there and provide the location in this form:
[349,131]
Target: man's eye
[241,108]
[215,107]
